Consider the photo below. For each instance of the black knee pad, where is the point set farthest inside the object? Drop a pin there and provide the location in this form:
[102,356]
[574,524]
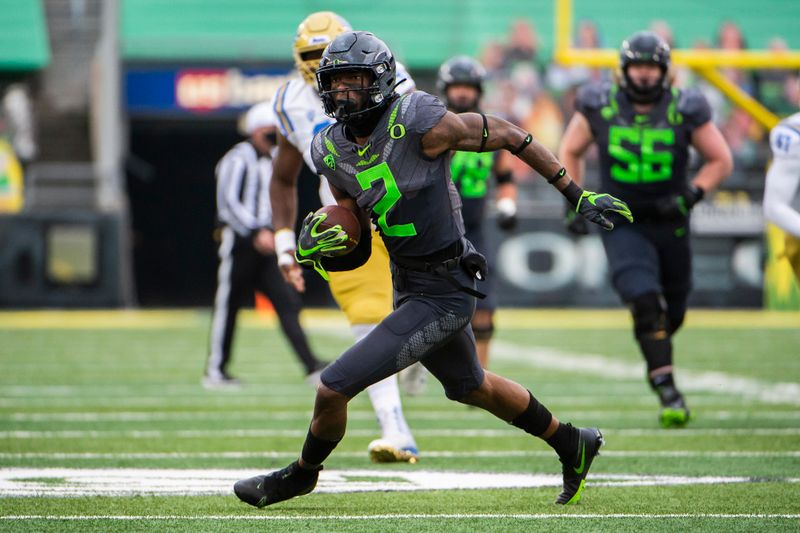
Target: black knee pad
[649,315]
[483,332]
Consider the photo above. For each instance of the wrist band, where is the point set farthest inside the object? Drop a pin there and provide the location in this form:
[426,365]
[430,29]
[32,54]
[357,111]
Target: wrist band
[522,146]
[484,133]
[557,176]
[285,241]
[572,193]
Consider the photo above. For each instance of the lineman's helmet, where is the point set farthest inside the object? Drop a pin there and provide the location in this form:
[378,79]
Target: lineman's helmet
[644,47]
[462,70]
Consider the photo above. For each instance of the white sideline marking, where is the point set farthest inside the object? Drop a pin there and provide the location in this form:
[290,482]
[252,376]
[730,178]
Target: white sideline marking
[424,455]
[283,518]
[70,482]
[599,365]
[462,433]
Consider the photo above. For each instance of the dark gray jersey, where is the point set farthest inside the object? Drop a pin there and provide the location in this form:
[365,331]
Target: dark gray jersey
[410,198]
[643,157]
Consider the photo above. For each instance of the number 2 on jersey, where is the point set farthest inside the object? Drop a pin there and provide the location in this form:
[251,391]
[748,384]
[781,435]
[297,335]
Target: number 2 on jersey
[383,173]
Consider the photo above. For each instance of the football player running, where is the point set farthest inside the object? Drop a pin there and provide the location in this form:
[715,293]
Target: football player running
[643,128]
[406,191]
[782,189]
[365,294]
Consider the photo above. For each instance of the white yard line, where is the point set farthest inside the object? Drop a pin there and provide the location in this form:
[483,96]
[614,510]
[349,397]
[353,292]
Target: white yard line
[600,365]
[690,380]
[72,482]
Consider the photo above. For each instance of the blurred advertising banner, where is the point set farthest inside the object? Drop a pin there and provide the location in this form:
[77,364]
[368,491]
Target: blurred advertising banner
[540,264]
[199,90]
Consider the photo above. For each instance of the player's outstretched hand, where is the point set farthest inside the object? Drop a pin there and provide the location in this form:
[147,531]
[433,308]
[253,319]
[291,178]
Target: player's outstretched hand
[593,207]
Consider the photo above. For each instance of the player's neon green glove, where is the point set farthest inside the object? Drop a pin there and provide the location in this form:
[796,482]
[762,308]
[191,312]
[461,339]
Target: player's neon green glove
[315,242]
[593,206]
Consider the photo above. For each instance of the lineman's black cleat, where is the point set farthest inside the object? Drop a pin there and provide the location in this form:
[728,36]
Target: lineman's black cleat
[278,486]
[576,465]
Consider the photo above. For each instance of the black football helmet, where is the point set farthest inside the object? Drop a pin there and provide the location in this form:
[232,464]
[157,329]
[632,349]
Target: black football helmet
[357,51]
[460,70]
[644,47]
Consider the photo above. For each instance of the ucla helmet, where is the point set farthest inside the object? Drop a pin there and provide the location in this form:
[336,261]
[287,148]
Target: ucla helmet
[313,34]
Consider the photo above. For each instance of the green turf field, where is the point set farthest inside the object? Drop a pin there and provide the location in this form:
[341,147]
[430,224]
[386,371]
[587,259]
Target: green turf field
[105,427]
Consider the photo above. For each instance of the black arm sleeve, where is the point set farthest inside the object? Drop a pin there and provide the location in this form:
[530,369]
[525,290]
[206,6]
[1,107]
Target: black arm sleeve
[354,259]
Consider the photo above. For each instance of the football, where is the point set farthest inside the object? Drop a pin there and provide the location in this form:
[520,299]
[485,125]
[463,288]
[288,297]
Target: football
[347,220]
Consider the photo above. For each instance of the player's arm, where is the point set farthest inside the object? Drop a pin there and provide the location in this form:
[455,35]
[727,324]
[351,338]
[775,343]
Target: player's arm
[576,140]
[506,192]
[718,163]
[717,159]
[283,195]
[473,132]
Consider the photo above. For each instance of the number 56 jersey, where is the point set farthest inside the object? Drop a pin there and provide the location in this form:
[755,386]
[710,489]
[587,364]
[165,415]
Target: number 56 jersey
[410,198]
[642,156]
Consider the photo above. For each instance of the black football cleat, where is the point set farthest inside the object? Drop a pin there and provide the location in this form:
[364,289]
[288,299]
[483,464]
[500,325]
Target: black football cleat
[575,467]
[260,491]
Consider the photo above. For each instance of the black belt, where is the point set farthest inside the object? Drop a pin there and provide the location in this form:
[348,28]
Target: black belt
[439,263]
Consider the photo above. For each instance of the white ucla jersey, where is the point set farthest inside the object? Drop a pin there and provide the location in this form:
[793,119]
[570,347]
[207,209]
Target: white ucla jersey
[782,189]
[301,115]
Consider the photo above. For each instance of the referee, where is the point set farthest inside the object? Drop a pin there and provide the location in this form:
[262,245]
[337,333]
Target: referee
[247,249]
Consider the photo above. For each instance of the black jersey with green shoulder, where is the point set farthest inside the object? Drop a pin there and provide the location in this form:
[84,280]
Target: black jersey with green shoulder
[642,156]
[409,197]
[470,172]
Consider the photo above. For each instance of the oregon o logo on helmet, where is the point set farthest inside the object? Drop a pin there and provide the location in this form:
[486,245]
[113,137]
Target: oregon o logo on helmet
[397,131]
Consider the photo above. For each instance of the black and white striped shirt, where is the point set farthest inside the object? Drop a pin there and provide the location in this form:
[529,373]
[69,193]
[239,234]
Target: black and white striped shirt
[243,190]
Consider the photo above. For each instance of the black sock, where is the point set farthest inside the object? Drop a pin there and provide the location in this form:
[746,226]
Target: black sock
[535,419]
[657,350]
[565,440]
[316,450]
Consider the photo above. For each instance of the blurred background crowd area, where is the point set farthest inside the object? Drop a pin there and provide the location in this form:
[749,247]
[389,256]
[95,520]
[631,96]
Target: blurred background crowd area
[539,95]
[115,112]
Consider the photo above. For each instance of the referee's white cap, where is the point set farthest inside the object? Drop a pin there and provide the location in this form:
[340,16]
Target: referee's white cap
[259,116]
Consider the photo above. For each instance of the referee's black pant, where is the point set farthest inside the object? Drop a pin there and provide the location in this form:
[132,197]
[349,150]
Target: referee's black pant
[242,270]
